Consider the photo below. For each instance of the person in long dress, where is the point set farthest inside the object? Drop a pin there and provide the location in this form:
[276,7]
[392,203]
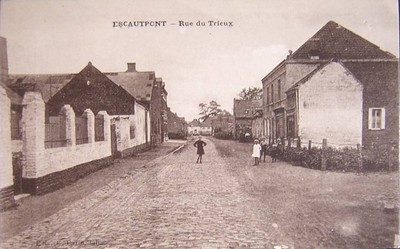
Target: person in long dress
[199,144]
[256,151]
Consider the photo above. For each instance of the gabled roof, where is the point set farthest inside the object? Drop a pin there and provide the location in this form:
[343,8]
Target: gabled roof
[194,123]
[308,76]
[47,84]
[335,41]
[197,123]
[138,84]
[377,76]
[91,89]
[246,108]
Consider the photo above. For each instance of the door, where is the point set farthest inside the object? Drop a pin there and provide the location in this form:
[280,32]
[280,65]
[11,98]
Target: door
[279,126]
[17,172]
[290,126]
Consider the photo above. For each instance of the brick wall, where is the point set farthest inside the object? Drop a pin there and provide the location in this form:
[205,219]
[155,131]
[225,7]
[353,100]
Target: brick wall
[48,169]
[6,174]
[60,179]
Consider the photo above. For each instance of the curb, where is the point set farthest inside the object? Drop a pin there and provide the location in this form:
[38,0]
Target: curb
[178,149]
[158,159]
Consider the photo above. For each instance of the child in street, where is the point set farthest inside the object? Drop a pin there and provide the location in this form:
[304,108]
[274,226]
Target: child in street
[199,144]
[256,152]
[263,148]
[276,150]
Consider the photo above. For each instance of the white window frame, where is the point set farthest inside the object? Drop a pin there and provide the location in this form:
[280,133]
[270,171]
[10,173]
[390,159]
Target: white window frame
[371,125]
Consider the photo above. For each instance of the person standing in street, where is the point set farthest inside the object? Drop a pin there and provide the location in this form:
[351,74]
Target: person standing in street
[256,152]
[199,144]
[263,148]
[276,150]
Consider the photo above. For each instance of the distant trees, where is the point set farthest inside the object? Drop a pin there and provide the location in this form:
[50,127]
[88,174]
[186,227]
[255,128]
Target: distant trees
[251,93]
[209,110]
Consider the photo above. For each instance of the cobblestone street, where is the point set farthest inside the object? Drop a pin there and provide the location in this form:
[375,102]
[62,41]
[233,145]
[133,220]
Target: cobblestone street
[175,203]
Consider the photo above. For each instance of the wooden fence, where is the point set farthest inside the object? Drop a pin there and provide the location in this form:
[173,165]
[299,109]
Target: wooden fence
[81,130]
[54,134]
[99,129]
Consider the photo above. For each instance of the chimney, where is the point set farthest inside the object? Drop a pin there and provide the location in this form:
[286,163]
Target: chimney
[3,59]
[131,67]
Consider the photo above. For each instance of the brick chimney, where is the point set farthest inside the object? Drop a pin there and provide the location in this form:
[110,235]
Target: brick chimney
[131,67]
[3,59]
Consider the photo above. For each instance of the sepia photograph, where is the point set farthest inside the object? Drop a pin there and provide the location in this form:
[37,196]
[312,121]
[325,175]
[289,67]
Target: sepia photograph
[199,124]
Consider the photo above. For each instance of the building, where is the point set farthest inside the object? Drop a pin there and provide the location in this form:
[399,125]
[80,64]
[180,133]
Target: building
[89,121]
[335,86]
[8,100]
[200,128]
[194,127]
[243,113]
[91,89]
[177,126]
[147,90]
[206,127]
[326,104]
[222,122]
[164,109]
[257,124]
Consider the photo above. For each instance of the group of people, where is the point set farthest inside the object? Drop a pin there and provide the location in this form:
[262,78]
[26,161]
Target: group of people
[260,150]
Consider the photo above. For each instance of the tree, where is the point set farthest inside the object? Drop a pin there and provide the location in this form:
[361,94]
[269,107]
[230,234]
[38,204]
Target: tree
[209,110]
[251,93]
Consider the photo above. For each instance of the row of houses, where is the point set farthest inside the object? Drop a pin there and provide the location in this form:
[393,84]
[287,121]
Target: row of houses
[337,86]
[63,126]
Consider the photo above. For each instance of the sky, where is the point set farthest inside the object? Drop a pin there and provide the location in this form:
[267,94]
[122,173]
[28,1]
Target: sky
[197,63]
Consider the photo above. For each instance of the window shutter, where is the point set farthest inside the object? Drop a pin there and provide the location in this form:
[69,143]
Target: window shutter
[383,118]
[370,118]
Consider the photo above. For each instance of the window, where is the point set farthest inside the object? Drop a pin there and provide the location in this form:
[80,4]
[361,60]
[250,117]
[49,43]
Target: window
[376,118]
[132,131]
[279,89]
[267,95]
[272,94]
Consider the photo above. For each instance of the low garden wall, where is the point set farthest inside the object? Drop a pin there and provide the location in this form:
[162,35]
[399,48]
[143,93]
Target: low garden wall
[76,149]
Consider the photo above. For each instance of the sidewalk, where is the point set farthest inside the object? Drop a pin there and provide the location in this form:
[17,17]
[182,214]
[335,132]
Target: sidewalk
[33,209]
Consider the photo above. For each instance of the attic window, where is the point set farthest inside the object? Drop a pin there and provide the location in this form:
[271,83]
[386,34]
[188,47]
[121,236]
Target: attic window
[147,95]
[149,84]
[314,54]
[151,77]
